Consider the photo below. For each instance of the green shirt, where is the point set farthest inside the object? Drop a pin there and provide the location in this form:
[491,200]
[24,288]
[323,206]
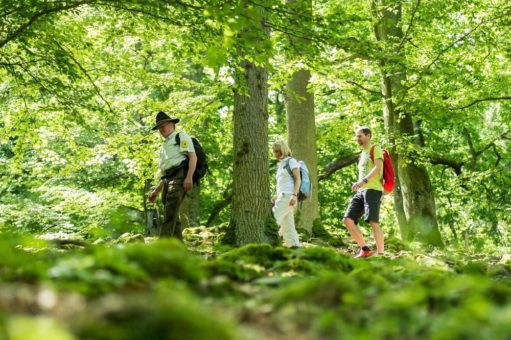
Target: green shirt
[365,165]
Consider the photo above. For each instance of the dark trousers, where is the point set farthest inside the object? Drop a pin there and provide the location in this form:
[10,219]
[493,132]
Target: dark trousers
[172,196]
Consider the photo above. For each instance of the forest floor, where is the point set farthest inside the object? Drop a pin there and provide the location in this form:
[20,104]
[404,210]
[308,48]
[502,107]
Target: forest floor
[143,288]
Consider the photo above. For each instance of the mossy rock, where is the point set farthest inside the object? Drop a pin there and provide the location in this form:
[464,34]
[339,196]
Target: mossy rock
[261,254]
[395,245]
[19,265]
[102,269]
[368,277]
[336,242]
[232,270]
[168,314]
[499,270]
[166,258]
[96,271]
[472,268]
[328,290]
[474,320]
[130,238]
[500,293]
[313,260]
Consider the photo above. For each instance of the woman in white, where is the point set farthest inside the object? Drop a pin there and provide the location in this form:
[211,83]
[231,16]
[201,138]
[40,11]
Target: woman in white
[288,186]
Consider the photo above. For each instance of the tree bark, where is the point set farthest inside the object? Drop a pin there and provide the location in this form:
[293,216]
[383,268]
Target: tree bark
[251,205]
[189,212]
[414,196]
[301,122]
[301,128]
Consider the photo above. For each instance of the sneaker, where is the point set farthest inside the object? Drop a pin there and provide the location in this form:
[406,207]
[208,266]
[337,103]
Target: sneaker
[365,251]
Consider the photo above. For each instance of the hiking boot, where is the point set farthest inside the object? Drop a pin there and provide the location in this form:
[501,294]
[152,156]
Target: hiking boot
[365,251]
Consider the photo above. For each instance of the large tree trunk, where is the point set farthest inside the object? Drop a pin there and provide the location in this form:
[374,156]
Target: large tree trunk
[251,205]
[301,128]
[414,197]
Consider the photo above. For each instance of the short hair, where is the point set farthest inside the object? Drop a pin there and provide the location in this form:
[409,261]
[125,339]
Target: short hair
[365,130]
[282,146]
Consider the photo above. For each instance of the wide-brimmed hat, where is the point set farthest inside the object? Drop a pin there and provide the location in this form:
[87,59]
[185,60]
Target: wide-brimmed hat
[162,117]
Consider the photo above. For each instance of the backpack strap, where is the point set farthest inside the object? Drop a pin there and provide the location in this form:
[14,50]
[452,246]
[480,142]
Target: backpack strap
[371,153]
[288,168]
[178,139]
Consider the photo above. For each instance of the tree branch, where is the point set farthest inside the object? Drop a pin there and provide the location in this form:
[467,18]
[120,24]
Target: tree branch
[456,166]
[477,101]
[499,157]
[341,162]
[475,153]
[84,71]
[409,25]
[364,88]
[38,15]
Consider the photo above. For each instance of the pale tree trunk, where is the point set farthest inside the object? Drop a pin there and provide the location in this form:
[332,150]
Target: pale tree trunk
[301,129]
[189,212]
[301,123]
[414,197]
[251,204]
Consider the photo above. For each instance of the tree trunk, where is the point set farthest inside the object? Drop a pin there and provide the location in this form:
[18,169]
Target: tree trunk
[189,212]
[301,128]
[301,122]
[414,197]
[251,205]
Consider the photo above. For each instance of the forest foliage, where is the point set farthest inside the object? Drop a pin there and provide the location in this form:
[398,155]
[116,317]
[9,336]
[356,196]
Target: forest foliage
[81,82]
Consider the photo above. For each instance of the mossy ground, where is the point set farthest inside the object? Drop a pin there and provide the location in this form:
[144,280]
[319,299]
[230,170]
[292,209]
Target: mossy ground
[136,288]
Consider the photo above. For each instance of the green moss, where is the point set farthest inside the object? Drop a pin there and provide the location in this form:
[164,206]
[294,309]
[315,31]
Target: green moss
[329,290]
[395,245]
[261,254]
[20,265]
[171,313]
[166,257]
[312,260]
[232,270]
[499,270]
[103,269]
[473,267]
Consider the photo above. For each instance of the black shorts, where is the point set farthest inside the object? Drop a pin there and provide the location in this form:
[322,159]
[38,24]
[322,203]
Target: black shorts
[367,203]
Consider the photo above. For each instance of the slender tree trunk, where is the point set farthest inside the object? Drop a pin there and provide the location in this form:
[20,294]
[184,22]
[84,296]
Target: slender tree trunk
[301,128]
[251,205]
[301,123]
[414,197]
[189,212]
[280,109]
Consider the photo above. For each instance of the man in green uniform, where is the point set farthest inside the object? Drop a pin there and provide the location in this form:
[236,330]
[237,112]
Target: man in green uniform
[369,189]
[177,165]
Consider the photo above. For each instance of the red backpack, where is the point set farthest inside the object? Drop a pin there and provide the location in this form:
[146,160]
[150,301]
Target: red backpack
[388,171]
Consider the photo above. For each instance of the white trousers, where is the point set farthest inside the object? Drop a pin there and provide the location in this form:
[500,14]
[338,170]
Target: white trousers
[284,215]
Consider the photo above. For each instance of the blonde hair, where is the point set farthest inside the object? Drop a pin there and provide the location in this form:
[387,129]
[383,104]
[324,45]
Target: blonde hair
[282,146]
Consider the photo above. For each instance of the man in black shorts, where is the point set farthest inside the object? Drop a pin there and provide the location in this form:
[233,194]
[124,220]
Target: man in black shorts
[369,190]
